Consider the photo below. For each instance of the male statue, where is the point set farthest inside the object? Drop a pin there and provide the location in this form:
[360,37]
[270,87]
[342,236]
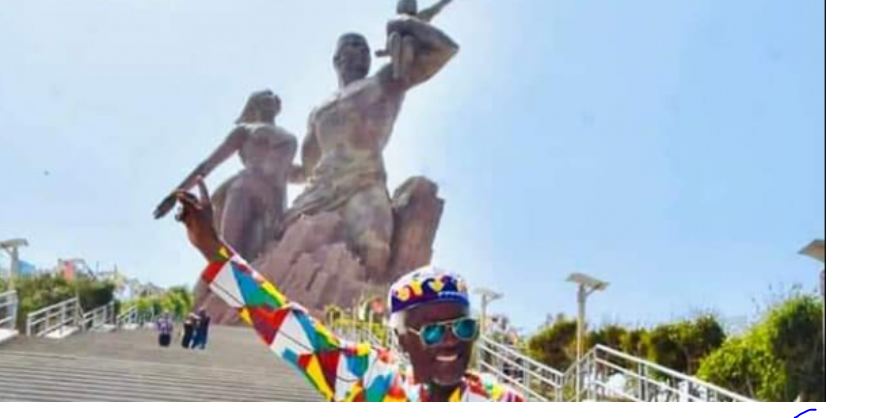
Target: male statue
[342,154]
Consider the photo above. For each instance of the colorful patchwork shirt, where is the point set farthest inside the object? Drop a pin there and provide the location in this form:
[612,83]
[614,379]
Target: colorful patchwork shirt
[339,370]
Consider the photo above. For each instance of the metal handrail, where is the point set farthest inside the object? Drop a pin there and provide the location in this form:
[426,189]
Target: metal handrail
[516,353]
[8,309]
[527,392]
[588,379]
[551,377]
[691,381]
[644,381]
[663,370]
[98,317]
[378,336]
[147,316]
[358,331]
[130,316]
[54,317]
[640,377]
[535,380]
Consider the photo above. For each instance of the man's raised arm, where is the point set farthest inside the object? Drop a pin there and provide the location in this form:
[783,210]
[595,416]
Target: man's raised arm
[287,328]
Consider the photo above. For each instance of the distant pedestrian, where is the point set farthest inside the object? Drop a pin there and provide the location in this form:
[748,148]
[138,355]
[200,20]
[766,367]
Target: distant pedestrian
[164,330]
[200,339]
[189,328]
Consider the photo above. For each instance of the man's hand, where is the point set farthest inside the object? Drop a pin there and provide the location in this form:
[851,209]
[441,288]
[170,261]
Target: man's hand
[198,216]
[165,206]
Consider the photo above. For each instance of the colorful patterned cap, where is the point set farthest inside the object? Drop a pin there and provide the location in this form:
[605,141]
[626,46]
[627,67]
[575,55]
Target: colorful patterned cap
[426,285]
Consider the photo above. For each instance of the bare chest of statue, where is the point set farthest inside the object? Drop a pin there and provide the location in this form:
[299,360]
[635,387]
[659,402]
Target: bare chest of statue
[357,120]
[264,142]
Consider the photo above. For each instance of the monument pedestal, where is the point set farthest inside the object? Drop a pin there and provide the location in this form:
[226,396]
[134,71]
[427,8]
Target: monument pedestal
[314,266]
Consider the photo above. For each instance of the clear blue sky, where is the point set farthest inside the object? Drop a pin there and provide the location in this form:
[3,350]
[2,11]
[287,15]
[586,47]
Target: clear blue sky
[674,148]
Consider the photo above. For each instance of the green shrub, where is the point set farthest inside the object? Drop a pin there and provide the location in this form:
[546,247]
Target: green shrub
[177,301]
[35,293]
[779,359]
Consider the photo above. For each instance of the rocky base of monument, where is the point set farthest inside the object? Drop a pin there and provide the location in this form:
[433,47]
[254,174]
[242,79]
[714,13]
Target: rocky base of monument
[313,265]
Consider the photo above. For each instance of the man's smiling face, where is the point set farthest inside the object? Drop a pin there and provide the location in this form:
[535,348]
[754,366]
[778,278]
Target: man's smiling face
[445,362]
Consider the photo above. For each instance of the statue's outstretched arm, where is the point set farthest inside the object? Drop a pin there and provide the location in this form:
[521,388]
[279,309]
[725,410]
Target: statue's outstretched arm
[230,146]
[433,49]
[429,14]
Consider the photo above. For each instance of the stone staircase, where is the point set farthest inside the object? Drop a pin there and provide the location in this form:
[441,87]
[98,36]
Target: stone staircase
[130,366]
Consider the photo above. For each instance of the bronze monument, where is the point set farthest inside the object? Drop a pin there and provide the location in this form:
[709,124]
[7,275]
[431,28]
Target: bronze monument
[344,236]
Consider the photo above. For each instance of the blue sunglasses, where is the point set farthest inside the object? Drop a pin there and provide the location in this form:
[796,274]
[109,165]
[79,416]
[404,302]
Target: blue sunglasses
[464,329]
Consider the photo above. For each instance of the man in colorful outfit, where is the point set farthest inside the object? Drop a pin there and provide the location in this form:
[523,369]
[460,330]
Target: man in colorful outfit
[429,311]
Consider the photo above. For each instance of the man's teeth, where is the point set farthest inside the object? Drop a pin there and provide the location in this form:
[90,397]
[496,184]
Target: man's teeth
[447,359]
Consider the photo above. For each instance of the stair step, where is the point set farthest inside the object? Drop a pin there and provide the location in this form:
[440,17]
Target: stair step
[172,391]
[79,392]
[285,372]
[116,379]
[129,366]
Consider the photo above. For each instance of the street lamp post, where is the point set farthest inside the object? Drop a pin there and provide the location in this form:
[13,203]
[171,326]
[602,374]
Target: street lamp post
[486,296]
[11,247]
[817,250]
[587,285]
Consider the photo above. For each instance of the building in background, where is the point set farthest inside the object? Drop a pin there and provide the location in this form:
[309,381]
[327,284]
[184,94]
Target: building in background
[26,269]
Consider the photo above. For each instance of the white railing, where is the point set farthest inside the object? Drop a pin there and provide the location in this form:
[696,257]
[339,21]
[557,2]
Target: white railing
[127,318]
[605,374]
[98,318]
[534,380]
[133,317]
[355,332]
[60,317]
[8,310]
[147,317]
[358,332]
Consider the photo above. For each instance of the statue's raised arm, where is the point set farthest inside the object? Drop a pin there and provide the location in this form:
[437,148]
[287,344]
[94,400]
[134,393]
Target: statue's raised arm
[429,14]
[425,50]
[231,145]
[249,206]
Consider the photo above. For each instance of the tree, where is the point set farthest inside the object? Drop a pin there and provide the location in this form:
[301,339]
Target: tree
[635,343]
[610,336]
[664,349]
[552,345]
[177,301]
[93,294]
[682,345]
[779,359]
[679,345]
[38,292]
[698,338]
[795,337]
[745,365]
